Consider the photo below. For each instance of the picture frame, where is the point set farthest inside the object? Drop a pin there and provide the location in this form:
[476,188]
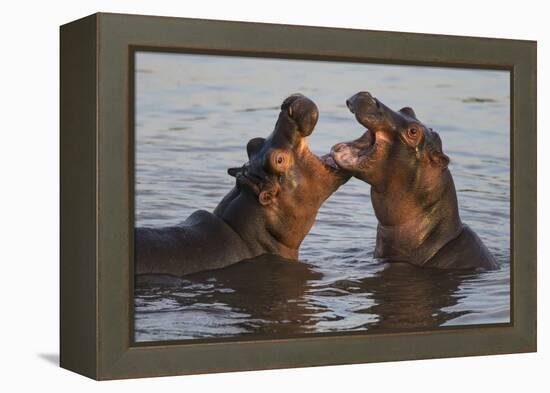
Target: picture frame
[96,195]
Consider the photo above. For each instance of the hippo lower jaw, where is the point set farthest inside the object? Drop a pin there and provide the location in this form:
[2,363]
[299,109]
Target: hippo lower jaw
[331,166]
[328,162]
[335,173]
[351,155]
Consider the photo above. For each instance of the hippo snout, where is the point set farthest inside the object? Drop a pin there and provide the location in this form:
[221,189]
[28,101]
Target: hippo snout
[303,111]
[362,101]
[350,105]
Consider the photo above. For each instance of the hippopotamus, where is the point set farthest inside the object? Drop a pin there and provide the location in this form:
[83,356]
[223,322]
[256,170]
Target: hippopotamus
[412,190]
[270,210]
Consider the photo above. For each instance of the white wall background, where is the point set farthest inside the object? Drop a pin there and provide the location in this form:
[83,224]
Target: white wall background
[29,193]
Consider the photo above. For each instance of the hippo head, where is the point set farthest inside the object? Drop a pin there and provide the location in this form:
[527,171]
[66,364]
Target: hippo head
[287,180]
[397,153]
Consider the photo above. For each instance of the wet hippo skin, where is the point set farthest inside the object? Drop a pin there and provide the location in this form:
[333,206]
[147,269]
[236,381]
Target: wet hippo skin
[269,211]
[412,190]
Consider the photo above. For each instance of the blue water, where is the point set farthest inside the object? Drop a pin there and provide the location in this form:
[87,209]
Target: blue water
[194,115]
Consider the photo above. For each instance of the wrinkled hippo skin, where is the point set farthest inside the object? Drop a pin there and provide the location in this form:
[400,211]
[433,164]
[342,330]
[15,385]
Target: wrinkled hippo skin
[269,211]
[412,190]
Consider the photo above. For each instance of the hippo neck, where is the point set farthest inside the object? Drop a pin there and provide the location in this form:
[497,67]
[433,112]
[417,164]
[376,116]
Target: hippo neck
[247,218]
[419,238]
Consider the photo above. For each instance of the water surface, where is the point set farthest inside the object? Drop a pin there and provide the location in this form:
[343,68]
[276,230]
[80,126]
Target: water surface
[194,115]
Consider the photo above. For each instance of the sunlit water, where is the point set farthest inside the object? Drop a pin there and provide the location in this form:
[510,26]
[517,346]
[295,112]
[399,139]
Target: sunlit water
[194,115]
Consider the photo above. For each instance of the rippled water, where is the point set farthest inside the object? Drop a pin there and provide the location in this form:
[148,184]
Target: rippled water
[194,115]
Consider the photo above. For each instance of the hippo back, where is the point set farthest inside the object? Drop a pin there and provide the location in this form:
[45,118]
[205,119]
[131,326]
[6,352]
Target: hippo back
[466,251]
[202,242]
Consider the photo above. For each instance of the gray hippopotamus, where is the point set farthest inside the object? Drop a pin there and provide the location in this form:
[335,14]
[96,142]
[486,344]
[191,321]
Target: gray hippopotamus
[412,190]
[269,211]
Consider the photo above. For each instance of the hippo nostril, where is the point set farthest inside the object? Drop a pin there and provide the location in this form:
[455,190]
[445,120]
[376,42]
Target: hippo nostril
[368,98]
[348,104]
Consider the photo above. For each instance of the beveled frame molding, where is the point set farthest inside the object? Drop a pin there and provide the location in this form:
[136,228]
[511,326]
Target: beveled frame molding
[97,194]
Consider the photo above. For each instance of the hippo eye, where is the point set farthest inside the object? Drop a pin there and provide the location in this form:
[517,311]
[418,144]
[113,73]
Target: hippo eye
[413,132]
[278,161]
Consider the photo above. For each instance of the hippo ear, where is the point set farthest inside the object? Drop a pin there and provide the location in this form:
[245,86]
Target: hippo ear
[265,198]
[439,158]
[253,146]
[303,111]
[408,111]
[436,150]
[234,171]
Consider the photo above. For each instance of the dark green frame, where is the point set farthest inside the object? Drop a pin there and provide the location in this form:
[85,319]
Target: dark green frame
[97,194]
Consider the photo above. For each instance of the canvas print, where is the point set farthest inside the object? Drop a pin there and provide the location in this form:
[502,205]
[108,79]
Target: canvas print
[283,197]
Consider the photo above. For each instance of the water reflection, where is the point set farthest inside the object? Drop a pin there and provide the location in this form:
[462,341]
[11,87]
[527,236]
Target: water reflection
[409,297]
[270,295]
[267,292]
[271,290]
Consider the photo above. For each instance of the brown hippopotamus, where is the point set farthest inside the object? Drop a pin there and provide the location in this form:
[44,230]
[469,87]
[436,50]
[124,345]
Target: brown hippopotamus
[412,190]
[269,211]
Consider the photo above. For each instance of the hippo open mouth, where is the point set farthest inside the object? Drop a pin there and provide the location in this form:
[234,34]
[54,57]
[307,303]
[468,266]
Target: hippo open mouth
[352,155]
[363,152]
[370,141]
